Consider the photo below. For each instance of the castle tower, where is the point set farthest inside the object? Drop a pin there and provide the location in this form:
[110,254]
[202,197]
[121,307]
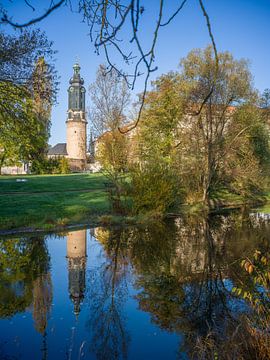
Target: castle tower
[76,122]
[76,254]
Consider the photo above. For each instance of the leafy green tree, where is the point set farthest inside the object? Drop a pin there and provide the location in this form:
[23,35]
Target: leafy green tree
[219,92]
[20,71]
[156,186]
[50,166]
[201,131]
[27,91]
[42,89]
[246,162]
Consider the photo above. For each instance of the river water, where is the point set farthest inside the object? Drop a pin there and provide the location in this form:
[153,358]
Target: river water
[151,292]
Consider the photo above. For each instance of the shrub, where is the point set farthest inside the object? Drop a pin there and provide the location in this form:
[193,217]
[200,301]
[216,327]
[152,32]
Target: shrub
[155,189]
[50,166]
[64,166]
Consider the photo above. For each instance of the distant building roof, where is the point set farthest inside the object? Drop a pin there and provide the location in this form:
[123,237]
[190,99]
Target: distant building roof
[58,149]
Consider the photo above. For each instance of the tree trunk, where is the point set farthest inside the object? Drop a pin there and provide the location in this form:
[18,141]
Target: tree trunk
[207,178]
[2,159]
[209,175]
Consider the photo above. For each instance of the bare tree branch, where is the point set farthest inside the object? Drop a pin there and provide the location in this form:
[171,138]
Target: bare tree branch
[30,5]
[6,20]
[107,20]
[205,14]
[174,14]
[147,63]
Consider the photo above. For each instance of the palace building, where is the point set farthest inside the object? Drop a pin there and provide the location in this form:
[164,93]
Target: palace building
[75,147]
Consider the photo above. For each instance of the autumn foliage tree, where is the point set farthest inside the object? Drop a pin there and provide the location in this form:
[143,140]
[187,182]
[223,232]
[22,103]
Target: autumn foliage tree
[156,186]
[203,129]
[224,90]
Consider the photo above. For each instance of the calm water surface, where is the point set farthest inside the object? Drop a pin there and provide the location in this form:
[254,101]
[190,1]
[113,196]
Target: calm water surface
[132,293]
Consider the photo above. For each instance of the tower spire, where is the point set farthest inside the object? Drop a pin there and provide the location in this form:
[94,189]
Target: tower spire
[76,68]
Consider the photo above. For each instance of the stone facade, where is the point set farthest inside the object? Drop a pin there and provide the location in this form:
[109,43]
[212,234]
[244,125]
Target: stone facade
[76,141]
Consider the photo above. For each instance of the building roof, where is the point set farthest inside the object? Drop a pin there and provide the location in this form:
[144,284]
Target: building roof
[58,149]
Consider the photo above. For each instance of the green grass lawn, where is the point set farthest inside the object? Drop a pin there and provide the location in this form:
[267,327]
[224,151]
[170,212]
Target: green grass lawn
[49,201]
[51,183]
[265,208]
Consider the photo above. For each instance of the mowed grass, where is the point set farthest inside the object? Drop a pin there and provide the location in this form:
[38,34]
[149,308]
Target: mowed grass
[51,183]
[53,200]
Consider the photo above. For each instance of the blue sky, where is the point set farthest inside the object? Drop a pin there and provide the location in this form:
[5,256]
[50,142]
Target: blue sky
[239,26]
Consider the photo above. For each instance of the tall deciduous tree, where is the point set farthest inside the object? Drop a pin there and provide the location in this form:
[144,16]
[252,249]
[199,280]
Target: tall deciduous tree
[156,185]
[223,90]
[110,98]
[202,127]
[20,55]
[21,140]
[42,89]
[27,91]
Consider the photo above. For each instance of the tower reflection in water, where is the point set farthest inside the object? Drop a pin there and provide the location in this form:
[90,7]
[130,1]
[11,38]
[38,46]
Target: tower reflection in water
[76,254]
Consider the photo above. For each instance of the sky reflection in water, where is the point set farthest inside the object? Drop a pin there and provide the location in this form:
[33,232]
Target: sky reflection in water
[132,293]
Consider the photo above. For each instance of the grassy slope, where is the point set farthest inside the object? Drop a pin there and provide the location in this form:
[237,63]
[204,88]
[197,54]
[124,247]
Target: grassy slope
[266,208]
[51,200]
[223,198]
[48,201]
[44,183]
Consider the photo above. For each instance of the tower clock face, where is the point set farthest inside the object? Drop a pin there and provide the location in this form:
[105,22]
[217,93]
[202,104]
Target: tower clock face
[71,89]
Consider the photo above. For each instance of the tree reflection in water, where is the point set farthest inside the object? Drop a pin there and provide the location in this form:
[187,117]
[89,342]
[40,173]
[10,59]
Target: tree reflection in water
[25,280]
[185,271]
[107,294]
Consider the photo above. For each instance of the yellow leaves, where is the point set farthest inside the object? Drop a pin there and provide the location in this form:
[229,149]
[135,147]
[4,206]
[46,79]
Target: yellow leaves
[248,266]
[259,261]
[238,291]
[258,269]
[256,254]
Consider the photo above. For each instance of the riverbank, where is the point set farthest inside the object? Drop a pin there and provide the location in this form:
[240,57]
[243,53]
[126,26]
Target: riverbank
[55,202]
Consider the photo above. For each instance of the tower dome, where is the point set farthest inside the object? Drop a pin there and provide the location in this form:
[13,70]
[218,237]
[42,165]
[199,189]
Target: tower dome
[76,78]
